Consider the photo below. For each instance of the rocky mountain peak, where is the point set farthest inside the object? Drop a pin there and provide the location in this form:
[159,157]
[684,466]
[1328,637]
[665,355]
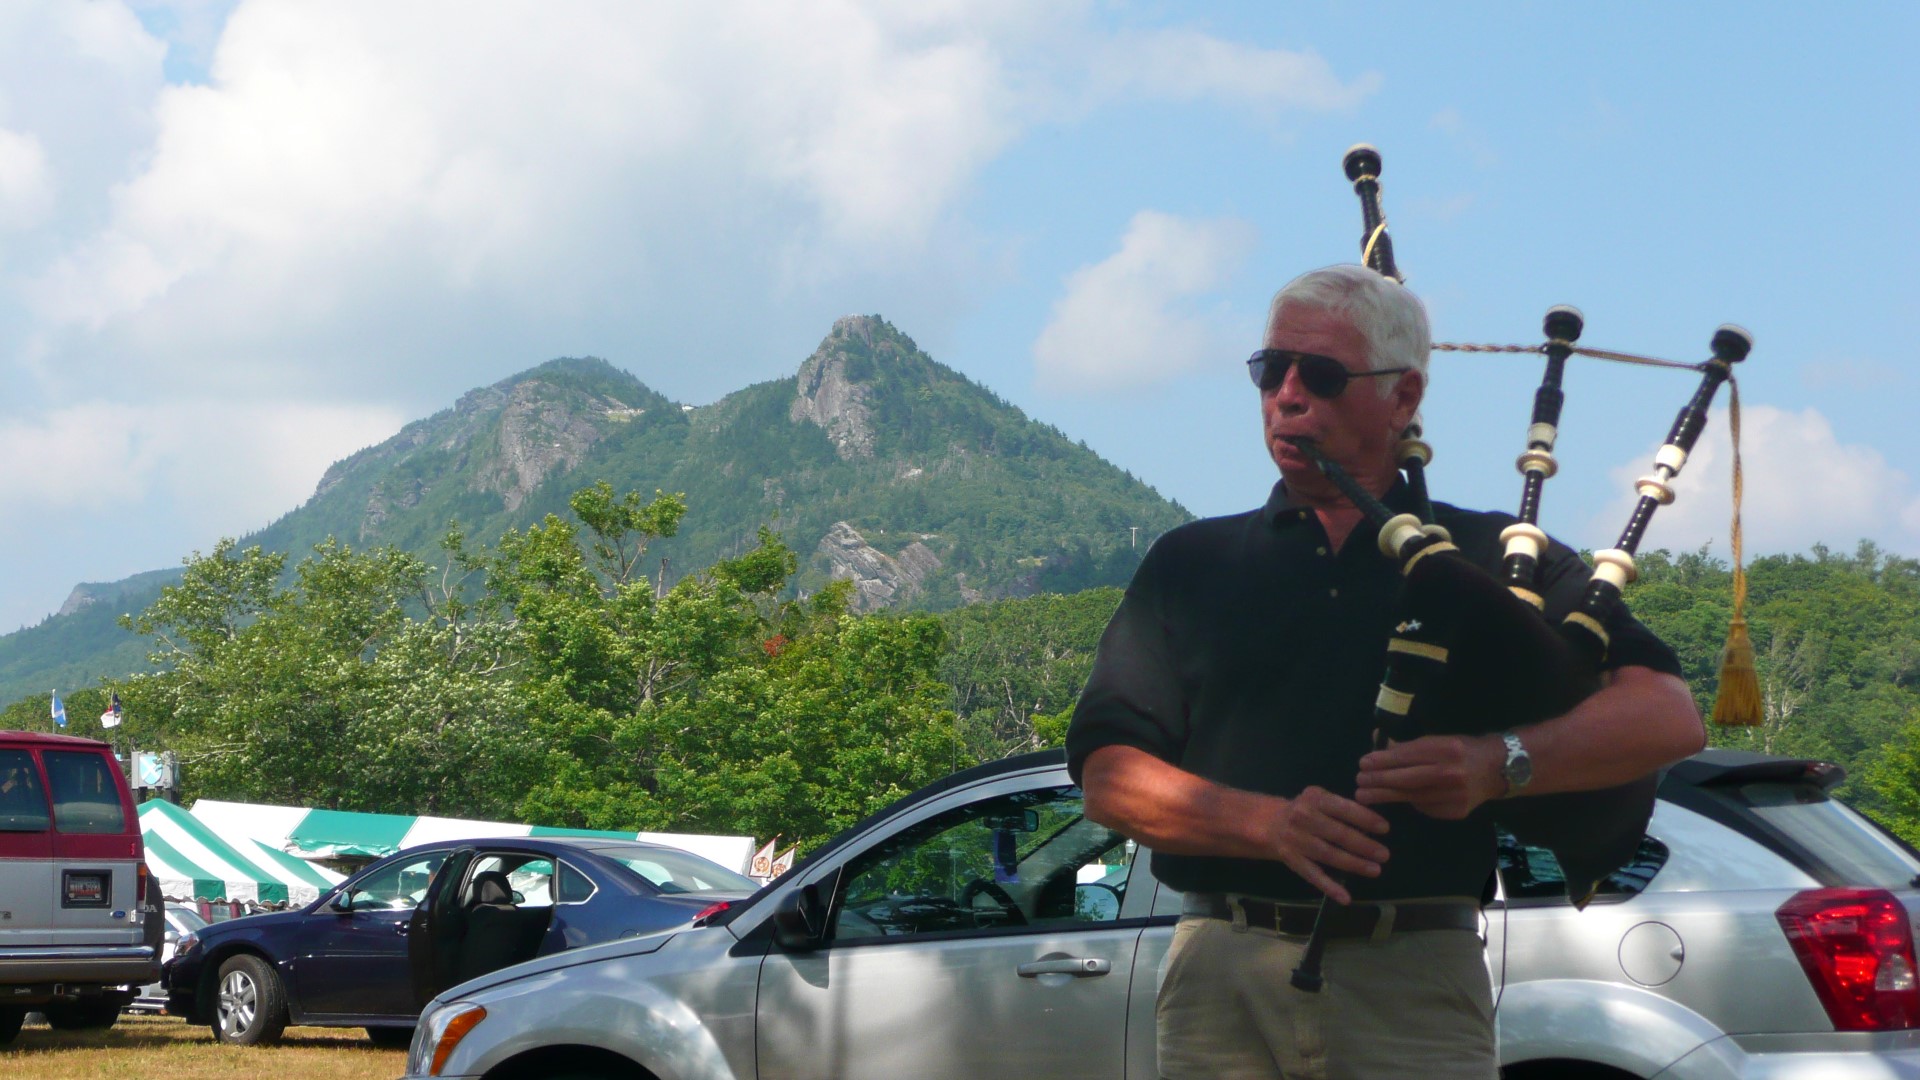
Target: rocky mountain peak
[831,393]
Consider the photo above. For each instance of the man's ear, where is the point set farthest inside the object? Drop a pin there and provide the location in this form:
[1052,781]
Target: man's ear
[1406,394]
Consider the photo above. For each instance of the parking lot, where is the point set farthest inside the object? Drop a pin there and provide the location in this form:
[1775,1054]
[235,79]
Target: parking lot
[167,1046]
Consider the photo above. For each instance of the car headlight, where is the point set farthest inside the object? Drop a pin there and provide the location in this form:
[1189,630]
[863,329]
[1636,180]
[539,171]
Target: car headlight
[187,943]
[439,1032]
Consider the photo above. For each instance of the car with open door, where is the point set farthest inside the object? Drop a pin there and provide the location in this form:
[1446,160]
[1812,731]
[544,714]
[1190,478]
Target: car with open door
[372,949]
[982,926]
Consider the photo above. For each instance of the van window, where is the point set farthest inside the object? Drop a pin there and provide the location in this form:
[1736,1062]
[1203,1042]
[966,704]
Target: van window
[23,808]
[85,797]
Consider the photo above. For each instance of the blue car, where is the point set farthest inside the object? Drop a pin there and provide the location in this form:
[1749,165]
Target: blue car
[378,946]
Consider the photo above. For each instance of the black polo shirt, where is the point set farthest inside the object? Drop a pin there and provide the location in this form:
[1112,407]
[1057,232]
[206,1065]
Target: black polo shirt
[1248,651]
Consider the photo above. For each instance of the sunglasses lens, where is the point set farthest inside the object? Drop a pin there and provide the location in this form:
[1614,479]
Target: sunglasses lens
[1323,376]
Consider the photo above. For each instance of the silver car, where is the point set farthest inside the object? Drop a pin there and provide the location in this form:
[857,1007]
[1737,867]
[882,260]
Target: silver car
[984,927]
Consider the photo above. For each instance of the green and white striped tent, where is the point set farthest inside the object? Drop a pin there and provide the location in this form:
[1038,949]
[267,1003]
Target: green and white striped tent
[341,834]
[192,861]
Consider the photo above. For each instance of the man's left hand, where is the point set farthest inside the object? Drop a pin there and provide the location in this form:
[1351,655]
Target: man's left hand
[1442,776]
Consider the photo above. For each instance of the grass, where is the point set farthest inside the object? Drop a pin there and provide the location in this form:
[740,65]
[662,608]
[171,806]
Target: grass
[168,1048]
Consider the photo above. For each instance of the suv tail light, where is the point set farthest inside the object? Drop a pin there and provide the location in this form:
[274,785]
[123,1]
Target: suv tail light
[1857,948]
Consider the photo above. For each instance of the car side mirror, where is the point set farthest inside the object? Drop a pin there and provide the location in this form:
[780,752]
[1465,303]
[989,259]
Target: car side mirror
[1094,902]
[800,922]
[342,902]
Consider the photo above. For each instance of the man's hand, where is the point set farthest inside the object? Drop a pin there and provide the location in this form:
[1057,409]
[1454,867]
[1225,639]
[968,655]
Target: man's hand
[1442,776]
[1318,831]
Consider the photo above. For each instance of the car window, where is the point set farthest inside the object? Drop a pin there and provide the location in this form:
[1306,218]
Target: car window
[1003,863]
[85,797]
[398,886]
[23,807]
[529,876]
[674,871]
[1531,875]
[574,885]
[1856,849]
[185,919]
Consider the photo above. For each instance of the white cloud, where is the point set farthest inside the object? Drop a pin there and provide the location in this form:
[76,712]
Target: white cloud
[1129,320]
[349,166]
[26,189]
[1187,65]
[233,467]
[1802,486]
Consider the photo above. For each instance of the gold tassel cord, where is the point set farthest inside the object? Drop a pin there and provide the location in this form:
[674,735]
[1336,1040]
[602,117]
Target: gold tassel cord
[1738,703]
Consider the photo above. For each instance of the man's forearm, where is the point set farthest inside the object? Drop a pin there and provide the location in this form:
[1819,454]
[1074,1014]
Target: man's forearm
[1169,809]
[1639,721]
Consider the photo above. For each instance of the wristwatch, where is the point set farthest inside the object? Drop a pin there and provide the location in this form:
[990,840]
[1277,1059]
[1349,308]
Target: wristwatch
[1519,767]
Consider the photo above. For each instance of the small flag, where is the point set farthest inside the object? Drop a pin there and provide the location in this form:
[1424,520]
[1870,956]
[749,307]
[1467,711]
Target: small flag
[762,865]
[59,711]
[785,862]
[111,718]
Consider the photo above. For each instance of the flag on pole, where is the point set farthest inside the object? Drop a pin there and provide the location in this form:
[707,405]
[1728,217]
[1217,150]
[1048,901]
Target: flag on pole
[762,865]
[111,718]
[59,711]
[785,862]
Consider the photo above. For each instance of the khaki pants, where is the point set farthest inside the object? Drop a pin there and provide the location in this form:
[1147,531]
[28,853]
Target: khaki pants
[1415,1004]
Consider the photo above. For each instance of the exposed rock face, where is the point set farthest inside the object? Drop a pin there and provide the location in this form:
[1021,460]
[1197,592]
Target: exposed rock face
[828,398]
[539,436]
[879,580]
[80,597]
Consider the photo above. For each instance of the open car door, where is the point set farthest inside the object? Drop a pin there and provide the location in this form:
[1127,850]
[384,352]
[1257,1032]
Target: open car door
[438,927]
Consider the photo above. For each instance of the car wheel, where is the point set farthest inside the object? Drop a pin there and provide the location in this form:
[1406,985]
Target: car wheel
[393,1038]
[82,1015]
[252,1006]
[10,1021]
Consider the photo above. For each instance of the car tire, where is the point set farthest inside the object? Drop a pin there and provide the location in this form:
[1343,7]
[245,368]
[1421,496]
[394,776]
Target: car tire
[81,1015]
[392,1038]
[10,1021]
[251,1007]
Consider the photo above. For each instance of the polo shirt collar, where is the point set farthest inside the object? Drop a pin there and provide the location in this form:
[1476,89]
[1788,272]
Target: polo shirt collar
[1281,509]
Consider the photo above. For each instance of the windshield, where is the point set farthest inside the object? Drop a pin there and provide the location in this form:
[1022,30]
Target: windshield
[1854,847]
[673,871]
[185,918]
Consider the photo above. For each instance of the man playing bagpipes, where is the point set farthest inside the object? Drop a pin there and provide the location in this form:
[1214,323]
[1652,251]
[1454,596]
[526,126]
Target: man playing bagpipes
[1229,725]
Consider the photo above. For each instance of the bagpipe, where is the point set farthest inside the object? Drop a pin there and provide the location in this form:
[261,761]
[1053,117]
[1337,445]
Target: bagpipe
[1473,652]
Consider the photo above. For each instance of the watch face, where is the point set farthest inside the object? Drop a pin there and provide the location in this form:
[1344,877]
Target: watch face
[1519,767]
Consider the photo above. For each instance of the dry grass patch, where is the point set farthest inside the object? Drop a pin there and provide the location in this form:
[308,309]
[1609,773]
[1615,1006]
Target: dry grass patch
[168,1048]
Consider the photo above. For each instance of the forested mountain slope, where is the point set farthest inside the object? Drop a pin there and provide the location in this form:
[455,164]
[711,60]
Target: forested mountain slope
[874,462]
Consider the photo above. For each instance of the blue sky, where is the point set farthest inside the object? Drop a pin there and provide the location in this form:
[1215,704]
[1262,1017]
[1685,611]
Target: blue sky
[239,241]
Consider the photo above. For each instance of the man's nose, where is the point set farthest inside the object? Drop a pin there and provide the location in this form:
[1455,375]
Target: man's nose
[1292,397]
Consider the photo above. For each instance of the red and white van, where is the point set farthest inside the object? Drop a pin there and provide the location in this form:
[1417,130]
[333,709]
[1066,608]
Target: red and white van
[80,924]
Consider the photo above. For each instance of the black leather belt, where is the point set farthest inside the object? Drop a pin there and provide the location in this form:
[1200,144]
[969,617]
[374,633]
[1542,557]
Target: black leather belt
[1358,920]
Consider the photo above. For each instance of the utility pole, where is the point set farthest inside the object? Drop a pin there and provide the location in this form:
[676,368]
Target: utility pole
[1135,530]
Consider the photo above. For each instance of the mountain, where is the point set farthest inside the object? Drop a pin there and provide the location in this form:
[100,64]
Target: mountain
[874,462]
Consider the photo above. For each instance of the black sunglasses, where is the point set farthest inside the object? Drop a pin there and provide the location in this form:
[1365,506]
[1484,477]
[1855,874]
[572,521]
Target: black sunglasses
[1323,376]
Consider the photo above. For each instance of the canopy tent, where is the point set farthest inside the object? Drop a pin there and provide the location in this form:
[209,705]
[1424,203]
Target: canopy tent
[336,834]
[194,862]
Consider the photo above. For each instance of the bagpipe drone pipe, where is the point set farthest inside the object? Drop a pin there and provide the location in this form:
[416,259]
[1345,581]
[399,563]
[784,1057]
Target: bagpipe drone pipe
[1473,653]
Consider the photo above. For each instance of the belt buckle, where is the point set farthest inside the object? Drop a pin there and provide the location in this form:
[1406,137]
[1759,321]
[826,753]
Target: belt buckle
[1382,923]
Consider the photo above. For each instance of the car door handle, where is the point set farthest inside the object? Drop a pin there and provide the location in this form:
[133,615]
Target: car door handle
[402,929]
[1082,966]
